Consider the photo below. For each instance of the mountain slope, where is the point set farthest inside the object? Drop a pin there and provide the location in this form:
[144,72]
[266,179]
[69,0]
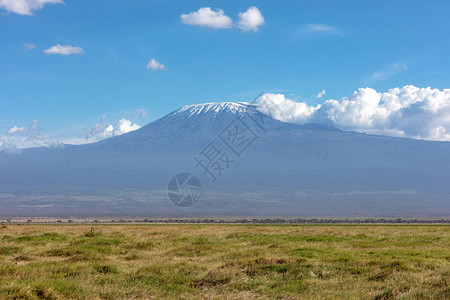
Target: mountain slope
[267,167]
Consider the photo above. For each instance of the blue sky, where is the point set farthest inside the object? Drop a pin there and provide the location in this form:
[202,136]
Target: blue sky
[302,48]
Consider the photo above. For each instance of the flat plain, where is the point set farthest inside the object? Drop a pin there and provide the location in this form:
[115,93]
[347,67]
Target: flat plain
[224,261]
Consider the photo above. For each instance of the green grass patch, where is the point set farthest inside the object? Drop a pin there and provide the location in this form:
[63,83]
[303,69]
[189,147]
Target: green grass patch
[225,262]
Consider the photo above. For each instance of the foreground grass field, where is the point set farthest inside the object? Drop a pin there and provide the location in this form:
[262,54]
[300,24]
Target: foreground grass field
[224,261]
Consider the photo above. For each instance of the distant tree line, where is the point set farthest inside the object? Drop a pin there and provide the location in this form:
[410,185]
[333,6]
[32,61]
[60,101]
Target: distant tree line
[251,221]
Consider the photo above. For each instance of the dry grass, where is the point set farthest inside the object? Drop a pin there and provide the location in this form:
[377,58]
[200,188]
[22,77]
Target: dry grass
[224,261]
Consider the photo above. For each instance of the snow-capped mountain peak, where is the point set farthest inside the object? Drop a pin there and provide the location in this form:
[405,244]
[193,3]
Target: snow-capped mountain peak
[213,107]
[214,115]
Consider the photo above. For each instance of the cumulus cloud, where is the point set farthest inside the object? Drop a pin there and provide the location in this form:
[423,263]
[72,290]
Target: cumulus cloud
[25,7]
[15,130]
[102,131]
[64,50]
[7,146]
[409,111]
[252,19]
[321,94]
[207,17]
[317,29]
[155,65]
[281,108]
[124,126]
[27,137]
[31,136]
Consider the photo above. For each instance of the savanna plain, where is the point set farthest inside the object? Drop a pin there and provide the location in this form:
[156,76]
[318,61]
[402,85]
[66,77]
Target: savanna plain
[224,261]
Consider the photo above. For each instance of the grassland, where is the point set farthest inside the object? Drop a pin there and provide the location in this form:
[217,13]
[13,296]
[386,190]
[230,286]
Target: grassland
[225,261]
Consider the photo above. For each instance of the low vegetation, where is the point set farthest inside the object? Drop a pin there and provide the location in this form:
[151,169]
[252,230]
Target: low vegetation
[224,261]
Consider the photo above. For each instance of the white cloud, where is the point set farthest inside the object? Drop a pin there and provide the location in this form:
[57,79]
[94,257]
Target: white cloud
[29,46]
[31,136]
[14,130]
[25,7]
[64,50]
[252,19]
[27,137]
[155,65]
[317,29]
[207,18]
[102,131]
[124,126]
[321,94]
[7,146]
[420,113]
[281,108]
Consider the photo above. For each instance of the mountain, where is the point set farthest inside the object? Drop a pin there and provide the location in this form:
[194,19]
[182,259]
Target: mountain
[246,163]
